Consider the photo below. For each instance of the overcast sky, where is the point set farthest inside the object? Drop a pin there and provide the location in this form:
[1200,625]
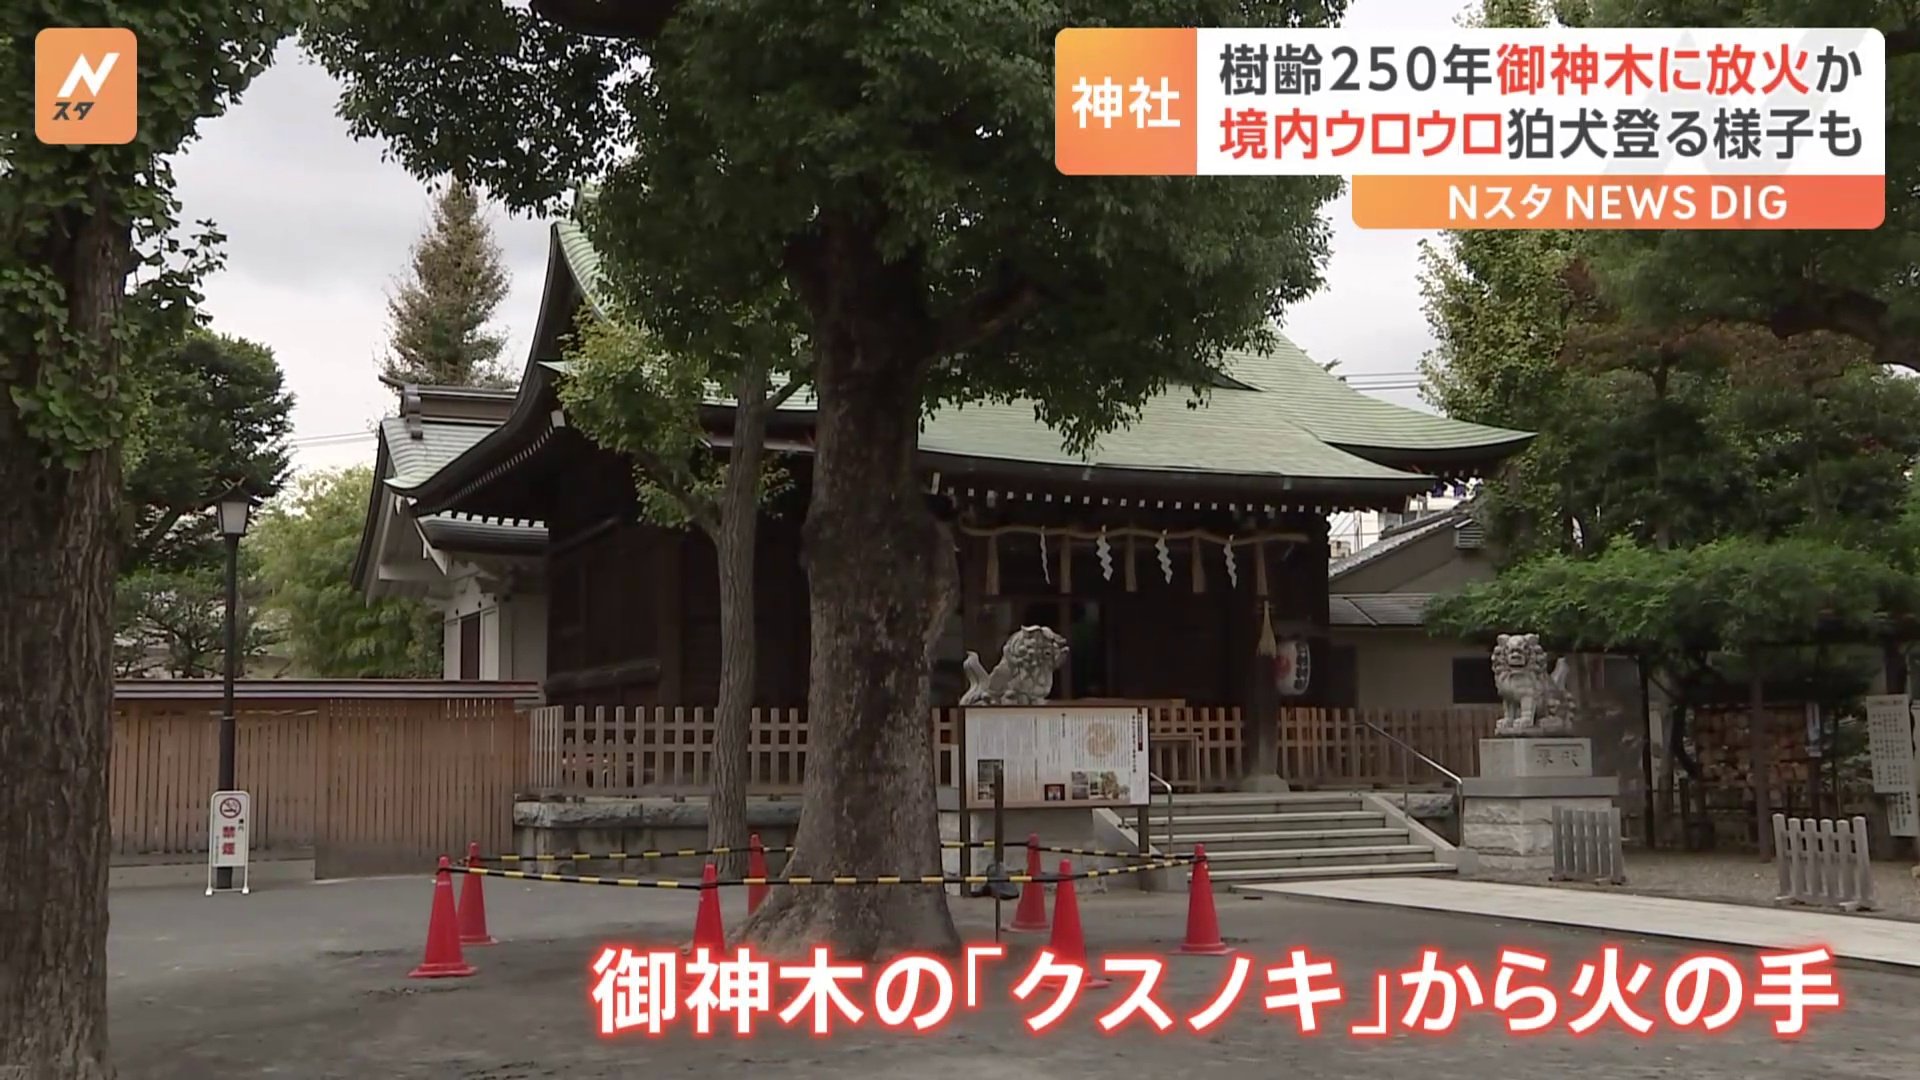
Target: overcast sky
[318,228]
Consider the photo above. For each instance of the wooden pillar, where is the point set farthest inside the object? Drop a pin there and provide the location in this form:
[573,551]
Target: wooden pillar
[669,585]
[1260,703]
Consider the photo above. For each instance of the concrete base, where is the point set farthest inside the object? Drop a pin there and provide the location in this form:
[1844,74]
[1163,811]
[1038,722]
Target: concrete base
[1508,808]
[642,824]
[1516,834]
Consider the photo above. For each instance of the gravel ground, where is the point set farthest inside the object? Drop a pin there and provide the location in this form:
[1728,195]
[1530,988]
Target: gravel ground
[1735,879]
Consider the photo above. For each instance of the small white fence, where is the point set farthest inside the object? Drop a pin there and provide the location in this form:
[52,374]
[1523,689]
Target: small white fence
[1587,846]
[1823,861]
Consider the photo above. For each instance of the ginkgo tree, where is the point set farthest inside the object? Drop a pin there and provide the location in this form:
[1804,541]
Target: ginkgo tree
[93,269]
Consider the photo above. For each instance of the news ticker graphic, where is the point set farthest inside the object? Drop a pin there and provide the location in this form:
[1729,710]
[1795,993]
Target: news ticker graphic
[649,991]
[1494,128]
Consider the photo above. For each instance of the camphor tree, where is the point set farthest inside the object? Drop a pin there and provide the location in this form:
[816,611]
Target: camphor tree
[76,225]
[892,167]
[630,394]
[440,313]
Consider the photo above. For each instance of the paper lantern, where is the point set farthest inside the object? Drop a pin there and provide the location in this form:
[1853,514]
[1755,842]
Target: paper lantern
[1292,667]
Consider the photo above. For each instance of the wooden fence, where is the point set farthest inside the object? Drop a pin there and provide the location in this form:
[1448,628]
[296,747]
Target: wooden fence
[370,776]
[642,750]
[1338,747]
[636,750]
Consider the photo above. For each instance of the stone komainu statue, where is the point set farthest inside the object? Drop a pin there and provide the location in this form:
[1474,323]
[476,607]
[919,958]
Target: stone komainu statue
[1024,675]
[1535,702]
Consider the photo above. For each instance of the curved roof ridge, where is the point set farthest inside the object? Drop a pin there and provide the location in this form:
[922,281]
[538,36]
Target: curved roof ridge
[1343,416]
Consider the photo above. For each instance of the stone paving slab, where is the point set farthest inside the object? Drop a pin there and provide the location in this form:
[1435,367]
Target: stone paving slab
[1849,937]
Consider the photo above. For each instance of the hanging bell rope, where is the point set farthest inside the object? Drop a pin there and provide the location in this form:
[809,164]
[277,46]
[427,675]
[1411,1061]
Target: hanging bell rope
[1260,569]
[993,566]
[1133,580]
[1066,565]
[1268,646]
[1199,565]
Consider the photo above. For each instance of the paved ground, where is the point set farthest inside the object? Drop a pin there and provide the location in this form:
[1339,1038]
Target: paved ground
[1874,940]
[309,981]
[1744,879]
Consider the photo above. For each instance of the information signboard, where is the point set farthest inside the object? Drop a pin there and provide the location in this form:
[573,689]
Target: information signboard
[1890,750]
[1059,755]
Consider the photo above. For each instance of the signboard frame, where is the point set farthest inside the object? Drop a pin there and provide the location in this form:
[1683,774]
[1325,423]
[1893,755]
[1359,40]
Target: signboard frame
[229,814]
[1098,752]
[1890,749]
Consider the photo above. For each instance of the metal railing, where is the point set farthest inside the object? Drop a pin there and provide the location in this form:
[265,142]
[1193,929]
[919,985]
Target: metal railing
[1145,823]
[1407,754]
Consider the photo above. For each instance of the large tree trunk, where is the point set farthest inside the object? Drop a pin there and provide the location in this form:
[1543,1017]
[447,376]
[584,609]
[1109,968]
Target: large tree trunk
[58,546]
[881,579]
[739,521]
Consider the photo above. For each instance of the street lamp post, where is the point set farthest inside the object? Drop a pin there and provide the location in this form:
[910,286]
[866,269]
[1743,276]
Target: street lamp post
[233,510]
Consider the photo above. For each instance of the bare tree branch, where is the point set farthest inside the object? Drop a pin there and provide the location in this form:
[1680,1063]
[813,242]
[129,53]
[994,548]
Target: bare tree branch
[672,479]
[986,314]
[781,396]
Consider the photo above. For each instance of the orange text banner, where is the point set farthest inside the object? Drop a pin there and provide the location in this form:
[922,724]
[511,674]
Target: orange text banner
[1619,202]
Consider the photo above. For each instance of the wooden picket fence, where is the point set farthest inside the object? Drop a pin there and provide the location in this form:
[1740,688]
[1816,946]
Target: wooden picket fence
[1341,747]
[662,750]
[367,776]
[638,750]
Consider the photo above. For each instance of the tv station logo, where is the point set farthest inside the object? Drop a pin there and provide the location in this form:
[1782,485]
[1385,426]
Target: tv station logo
[85,86]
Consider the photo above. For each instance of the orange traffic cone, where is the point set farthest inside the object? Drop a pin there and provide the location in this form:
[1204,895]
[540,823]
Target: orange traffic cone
[1203,924]
[443,959]
[708,933]
[1031,915]
[473,905]
[757,868]
[1068,945]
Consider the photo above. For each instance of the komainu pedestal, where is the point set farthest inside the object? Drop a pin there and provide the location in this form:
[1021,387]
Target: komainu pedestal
[1507,817]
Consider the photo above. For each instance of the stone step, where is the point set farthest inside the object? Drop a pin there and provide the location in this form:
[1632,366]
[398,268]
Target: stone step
[1218,842]
[1231,877]
[1272,822]
[1323,856]
[1252,802]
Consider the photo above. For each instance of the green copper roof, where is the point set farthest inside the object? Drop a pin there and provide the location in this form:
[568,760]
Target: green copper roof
[1237,432]
[1291,418]
[1320,402]
[440,441]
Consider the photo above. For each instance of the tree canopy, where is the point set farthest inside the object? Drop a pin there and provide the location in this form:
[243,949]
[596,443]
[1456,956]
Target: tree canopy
[1735,594]
[306,542]
[439,315]
[211,412]
[1858,283]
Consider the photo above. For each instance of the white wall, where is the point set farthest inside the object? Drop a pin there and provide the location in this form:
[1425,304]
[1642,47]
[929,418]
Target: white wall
[526,640]
[1404,669]
[513,633]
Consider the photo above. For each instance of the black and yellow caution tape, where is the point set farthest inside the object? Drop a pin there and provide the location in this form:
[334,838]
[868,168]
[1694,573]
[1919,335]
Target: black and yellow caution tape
[693,853]
[618,856]
[882,879]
